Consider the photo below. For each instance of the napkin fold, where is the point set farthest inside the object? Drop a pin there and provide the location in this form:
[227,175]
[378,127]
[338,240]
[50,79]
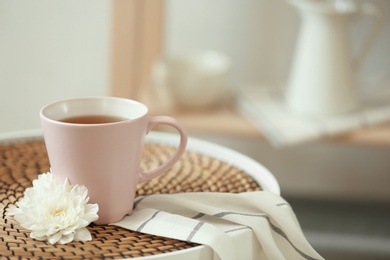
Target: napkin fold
[215,219]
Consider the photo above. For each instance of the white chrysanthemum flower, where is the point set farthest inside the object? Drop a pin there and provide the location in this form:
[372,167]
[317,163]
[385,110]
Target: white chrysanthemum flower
[56,212]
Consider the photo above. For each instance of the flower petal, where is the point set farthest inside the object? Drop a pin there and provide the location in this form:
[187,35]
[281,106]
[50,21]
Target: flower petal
[91,211]
[83,234]
[33,235]
[66,239]
[54,238]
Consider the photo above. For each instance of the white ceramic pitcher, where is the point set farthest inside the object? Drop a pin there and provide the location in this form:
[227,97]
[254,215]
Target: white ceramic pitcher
[322,79]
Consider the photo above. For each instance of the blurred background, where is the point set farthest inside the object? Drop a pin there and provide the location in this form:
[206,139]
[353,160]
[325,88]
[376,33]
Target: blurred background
[338,185]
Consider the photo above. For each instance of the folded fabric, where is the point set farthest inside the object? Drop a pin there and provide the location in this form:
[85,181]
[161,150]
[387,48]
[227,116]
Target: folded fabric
[266,109]
[212,219]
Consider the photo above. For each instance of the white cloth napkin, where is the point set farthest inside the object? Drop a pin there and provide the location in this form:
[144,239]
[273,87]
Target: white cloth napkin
[266,109]
[212,219]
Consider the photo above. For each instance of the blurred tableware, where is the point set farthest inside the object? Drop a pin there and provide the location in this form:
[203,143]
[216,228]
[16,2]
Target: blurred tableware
[193,80]
[323,74]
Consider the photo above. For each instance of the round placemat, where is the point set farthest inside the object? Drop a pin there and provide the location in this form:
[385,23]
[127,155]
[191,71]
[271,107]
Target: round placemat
[21,162]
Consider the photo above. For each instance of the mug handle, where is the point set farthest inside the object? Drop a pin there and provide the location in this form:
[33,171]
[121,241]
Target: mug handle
[166,120]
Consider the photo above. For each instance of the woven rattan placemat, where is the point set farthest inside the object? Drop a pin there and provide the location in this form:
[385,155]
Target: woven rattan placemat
[21,162]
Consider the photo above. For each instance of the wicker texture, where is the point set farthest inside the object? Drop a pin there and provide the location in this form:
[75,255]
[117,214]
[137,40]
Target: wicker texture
[21,162]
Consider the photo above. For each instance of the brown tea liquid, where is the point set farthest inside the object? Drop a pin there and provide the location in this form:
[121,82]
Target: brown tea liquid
[93,119]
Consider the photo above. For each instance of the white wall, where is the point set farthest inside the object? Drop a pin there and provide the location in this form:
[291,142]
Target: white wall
[259,35]
[50,49]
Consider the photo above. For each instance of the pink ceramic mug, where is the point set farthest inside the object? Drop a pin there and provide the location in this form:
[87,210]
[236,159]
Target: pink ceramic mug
[98,142]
